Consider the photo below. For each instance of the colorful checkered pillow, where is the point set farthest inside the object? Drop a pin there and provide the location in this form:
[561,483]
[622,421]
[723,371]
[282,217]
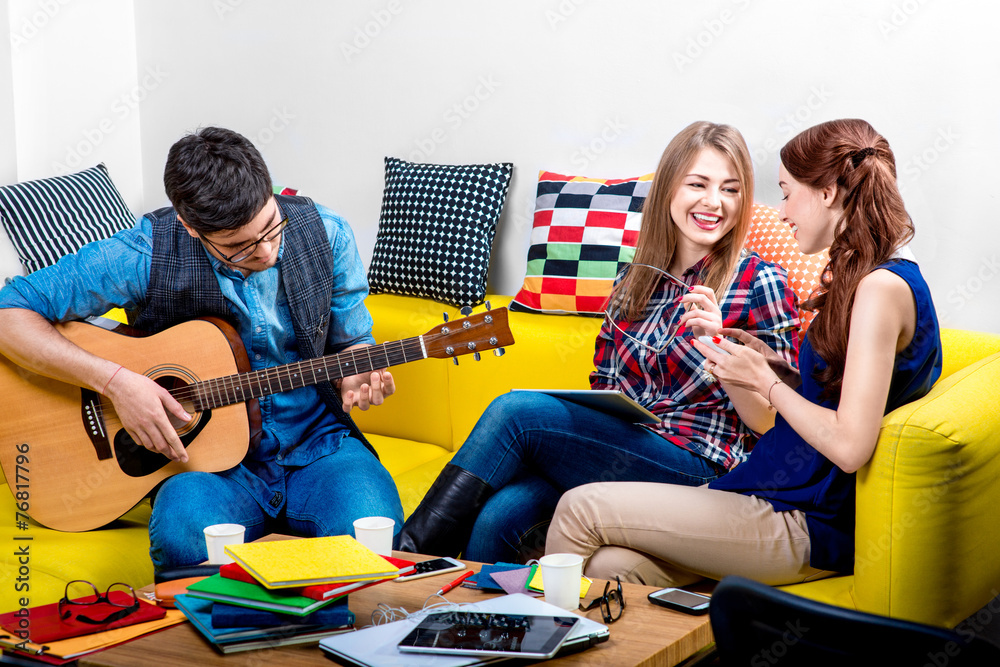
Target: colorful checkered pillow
[584,232]
[773,240]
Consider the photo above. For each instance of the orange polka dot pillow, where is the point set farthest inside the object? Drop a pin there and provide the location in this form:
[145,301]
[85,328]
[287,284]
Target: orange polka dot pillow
[773,240]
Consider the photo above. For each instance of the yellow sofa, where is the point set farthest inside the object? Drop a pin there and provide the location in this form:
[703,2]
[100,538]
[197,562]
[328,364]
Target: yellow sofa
[928,503]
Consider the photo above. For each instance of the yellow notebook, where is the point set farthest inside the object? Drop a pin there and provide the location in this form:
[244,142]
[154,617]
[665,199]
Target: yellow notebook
[535,582]
[310,560]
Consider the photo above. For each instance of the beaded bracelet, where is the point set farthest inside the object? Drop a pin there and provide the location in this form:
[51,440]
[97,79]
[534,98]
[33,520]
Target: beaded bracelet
[770,405]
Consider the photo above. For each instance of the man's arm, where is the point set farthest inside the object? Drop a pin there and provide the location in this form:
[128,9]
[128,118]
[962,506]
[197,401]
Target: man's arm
[32,342]
[105,274]
[350,321]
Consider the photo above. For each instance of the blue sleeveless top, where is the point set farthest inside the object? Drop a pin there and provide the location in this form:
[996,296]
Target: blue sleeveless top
[787,472]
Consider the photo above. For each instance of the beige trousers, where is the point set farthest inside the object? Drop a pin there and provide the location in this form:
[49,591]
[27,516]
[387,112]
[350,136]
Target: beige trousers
[669,535]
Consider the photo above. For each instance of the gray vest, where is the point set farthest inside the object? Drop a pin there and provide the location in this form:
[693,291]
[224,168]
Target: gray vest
[183,286]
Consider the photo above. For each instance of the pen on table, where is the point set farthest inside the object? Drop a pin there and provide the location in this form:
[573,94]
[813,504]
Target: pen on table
[456,582]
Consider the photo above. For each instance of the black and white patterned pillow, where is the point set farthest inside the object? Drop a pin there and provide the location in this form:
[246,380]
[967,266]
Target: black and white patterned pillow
[52,217]
[436,229]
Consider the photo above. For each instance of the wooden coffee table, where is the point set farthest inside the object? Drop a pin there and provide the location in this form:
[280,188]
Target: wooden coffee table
[645,635]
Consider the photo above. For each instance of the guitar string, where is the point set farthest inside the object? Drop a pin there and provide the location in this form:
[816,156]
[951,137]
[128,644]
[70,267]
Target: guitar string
[190,393]
[408,350]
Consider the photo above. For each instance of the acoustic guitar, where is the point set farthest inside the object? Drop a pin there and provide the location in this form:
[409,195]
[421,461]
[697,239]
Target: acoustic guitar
[71,465]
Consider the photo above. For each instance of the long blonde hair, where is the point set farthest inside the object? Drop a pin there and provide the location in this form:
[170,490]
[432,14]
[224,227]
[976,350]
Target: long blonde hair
[658,236]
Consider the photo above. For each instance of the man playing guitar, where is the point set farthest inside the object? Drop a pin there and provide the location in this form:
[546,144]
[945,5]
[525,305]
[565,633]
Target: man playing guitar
[287,273]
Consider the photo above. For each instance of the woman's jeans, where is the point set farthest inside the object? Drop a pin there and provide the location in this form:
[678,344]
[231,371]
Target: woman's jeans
[531,447]
[323,498]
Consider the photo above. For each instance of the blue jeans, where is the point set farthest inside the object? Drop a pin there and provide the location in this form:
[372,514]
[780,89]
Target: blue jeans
[323,498]
[531,447]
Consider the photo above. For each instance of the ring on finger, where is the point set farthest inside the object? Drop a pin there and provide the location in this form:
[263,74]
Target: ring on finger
[707,372]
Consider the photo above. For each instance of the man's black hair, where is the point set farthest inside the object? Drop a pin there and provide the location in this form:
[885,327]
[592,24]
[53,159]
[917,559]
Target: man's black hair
[216,180]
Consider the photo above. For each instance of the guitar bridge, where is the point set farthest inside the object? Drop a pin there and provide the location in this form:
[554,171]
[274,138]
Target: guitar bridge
[93,422]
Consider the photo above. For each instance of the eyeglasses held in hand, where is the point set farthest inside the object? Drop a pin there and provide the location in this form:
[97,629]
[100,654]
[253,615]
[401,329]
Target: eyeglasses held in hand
[79,591]
[615,310]
[612,603]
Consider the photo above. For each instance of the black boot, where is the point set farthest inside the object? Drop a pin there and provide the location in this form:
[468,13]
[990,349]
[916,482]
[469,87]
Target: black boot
[442,523]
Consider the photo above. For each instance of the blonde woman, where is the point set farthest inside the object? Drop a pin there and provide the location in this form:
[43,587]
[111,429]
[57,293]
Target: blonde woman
[690,276]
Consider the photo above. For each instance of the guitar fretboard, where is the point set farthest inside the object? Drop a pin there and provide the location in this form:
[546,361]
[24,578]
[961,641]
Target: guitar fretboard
[219,392]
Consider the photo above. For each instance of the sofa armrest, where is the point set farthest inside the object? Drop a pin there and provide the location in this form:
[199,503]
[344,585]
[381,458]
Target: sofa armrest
[928,504]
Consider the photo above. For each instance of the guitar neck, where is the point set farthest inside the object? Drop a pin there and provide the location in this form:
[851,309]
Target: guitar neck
[219,392]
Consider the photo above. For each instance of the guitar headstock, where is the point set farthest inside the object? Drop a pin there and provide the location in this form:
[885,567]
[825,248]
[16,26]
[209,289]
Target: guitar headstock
[473,334]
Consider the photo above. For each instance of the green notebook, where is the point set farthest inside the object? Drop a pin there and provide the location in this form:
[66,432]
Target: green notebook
[220,589]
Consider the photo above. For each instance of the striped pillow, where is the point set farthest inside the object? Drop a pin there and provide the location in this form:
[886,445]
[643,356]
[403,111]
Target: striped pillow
[52,217]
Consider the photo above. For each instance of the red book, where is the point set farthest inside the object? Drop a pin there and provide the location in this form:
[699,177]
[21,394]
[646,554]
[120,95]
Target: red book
[43,624]
[324,591]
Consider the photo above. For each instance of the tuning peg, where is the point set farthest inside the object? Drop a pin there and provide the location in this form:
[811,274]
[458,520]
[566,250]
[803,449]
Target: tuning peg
[499,352]
[475,355]
[488,305]
[455,359]
[466,310]
[445,316]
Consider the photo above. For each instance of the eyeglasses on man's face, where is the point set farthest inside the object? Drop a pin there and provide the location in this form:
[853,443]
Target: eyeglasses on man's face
[612,603]
[244,253]
[615,309]
[77,597]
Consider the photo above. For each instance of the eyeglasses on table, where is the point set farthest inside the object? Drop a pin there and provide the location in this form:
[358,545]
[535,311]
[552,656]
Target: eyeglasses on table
[75,599]
[612,603]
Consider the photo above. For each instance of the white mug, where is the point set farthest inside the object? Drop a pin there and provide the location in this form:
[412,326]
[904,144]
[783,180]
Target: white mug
[561,575]
[218,537]
[375,532]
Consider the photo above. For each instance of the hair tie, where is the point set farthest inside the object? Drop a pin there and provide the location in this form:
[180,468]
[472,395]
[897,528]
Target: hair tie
[858,156]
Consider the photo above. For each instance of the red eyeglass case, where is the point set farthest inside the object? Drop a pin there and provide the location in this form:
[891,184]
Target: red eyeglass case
[42,624]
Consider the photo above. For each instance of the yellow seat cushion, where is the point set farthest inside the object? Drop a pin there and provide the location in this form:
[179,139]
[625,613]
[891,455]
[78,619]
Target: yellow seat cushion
[119,552]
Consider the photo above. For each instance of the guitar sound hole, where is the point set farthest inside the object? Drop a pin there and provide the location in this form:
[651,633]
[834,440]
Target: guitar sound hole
[137,461]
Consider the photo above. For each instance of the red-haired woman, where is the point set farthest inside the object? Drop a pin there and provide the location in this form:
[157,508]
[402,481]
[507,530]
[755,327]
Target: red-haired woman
[787,514]
[690,270]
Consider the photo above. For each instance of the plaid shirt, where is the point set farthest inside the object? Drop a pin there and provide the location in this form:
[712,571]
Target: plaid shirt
[697,414]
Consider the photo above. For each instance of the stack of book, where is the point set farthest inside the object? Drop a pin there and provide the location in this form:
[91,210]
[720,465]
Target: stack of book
[284,592]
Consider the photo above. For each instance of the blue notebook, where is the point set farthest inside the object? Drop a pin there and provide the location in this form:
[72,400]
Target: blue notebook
[229,640]
[225,616]
[482,579]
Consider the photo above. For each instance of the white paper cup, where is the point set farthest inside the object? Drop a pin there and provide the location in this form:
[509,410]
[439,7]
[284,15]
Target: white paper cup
[218,537]
[375,532]
[561,575]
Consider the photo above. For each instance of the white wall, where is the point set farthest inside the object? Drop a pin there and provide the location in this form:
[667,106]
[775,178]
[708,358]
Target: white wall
[75,90]
[596,87]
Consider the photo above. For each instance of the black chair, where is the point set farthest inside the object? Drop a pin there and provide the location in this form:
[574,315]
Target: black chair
[755,624]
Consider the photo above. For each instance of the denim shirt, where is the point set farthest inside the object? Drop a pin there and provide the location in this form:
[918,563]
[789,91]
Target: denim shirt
[297,427]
